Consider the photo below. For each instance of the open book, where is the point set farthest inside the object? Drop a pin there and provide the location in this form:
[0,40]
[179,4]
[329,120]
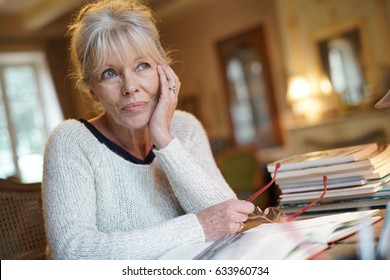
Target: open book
[302,239]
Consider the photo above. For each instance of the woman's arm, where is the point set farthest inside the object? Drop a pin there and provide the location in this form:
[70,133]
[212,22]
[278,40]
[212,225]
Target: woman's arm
[190,166]
[71,215]
[197,181]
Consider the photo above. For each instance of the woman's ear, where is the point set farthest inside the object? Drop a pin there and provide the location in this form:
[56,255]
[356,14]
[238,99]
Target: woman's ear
[93,95]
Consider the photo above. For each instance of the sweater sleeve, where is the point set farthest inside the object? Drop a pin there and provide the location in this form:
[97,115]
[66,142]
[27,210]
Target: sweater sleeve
[70,209]
[191,168]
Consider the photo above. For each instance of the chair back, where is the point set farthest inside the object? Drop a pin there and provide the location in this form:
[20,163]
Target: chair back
[242,171]
[22,233]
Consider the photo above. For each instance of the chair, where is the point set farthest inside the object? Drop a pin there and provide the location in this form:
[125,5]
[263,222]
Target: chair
[22,234]
[241,170]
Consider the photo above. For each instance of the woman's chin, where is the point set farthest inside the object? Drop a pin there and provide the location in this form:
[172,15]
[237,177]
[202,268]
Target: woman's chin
[137,122]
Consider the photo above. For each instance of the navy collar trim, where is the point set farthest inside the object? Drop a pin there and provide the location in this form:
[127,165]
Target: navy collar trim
[115,148]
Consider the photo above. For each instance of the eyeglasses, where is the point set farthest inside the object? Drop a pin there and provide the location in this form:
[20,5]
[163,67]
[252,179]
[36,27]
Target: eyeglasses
[277,215]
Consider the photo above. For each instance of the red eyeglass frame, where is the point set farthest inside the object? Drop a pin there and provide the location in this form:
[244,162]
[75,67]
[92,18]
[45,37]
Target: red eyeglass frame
[290,217]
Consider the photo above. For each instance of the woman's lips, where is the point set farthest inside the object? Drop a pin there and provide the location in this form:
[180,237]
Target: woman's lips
[135,106]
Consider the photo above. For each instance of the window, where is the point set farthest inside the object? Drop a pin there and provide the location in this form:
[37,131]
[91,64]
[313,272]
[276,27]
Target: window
[29,109]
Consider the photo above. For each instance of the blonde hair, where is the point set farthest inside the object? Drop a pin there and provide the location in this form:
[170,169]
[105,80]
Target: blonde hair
[106,28]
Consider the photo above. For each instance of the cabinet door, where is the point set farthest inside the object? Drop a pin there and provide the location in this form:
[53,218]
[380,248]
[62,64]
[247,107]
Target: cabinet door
[252,109]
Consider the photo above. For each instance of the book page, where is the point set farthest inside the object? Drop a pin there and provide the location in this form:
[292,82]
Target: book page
[323,229]
[269,246]
[335,231]
[265,243]
[306,251]
[274,242]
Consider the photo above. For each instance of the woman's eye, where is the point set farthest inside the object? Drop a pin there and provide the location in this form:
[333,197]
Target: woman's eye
[143,66]
[109,73]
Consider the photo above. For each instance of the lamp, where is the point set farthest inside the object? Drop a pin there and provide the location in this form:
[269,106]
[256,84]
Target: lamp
[299,89]
[303,100]
[311,100]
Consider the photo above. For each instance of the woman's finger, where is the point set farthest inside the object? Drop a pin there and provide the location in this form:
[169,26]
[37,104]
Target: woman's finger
[173,82]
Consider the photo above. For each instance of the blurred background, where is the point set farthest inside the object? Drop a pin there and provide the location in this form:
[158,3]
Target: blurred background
[267,78]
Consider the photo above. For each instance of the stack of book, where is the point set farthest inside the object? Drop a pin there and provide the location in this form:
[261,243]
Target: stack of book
[358,177]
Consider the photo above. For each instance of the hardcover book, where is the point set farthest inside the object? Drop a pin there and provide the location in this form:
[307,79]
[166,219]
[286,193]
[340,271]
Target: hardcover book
[325,157]
[361,173]
[351,192]
[378,200]
[371,162]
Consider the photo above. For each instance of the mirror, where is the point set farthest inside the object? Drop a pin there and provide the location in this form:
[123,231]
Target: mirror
[342,63]
[251,102]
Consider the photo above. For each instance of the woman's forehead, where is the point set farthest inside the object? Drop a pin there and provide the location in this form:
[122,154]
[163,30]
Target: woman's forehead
[128,55]
[125,52]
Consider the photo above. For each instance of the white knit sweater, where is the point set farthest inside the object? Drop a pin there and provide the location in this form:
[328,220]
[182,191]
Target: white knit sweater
[97,205]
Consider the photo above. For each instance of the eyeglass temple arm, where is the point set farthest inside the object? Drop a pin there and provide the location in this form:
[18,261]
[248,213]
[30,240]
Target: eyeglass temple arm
[256,194]
[304,209]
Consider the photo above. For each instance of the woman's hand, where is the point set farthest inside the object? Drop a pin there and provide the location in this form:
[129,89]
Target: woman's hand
[160,122]
[223,218]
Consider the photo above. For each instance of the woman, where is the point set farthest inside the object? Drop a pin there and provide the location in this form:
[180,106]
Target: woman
[138,179]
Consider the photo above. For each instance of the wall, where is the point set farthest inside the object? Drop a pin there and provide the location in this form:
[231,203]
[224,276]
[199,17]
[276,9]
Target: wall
[195,36]
[302,22]
[291,29]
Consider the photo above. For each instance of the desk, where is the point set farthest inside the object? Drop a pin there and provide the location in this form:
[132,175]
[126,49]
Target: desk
[345,249]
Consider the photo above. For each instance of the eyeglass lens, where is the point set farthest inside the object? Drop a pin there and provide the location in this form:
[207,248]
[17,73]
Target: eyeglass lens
[272,214]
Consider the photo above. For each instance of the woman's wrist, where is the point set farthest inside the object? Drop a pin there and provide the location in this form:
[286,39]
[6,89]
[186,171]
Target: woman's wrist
[163,140]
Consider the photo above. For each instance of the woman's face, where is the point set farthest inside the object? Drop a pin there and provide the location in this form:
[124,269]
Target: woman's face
[128,89]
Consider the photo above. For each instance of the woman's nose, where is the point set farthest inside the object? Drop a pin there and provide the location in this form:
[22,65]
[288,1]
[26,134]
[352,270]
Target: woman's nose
[130,84]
